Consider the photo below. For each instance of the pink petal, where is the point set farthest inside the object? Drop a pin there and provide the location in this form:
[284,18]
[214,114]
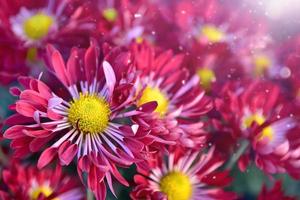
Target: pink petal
[90,63]
[14,132]
[33,96]
[72,66]
[109,76]
[46,157]
[148,107]
[37,133]
[59,67]
[37,143]
[67,156]
[282,149]
[18,119]
[15,91]
[25,109]
[53,115]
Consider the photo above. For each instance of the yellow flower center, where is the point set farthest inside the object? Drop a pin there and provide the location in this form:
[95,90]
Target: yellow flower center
[267,132]
[89,113]
[212,33]
[207,77]
[154,94]
[110,14]
[257,118]
[176,186]
[46,191]
[32,54]
[139,40]
[37,26]
[261,64]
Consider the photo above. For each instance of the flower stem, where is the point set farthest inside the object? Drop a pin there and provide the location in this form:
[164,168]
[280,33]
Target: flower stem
[3,158]
[89,195]
[234,158]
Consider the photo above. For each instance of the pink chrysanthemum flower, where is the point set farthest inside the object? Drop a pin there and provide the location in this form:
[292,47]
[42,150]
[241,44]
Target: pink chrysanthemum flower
[85,117]
[122,22]
[32,23]
[187,176]
[212,29]
[256,113]
[180,101]
[27,26]
[28,183]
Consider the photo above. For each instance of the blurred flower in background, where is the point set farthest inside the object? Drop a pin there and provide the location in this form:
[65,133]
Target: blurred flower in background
[27,182]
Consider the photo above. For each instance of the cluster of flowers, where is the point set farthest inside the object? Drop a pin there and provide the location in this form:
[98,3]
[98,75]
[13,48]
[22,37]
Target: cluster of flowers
[183,90]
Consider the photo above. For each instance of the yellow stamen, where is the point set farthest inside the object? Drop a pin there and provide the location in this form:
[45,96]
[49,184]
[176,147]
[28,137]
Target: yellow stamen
[259,119]
[89,113]
[177,186]
[139,39]
[262,63]
[212,33]
[267,133]
[37,26]
[154,94]
[46,191]
[32,54]
[207,77]
[110,14]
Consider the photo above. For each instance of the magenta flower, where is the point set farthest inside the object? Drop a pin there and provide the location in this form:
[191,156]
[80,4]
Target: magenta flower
[188,176]
[180,101]
[28,183]
[33,23]
[27,26]
[85,117]
[255,112]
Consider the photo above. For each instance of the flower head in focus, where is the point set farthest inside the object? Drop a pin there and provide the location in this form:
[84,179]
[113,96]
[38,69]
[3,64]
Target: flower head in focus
[87,116]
